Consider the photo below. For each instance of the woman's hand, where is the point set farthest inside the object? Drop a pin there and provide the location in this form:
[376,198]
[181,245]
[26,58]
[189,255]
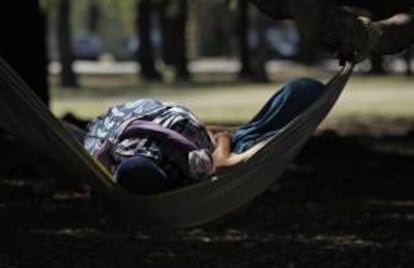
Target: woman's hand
[223,137]
[222,152]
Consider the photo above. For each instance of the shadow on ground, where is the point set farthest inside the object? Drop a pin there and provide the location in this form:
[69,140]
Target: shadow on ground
[347,201]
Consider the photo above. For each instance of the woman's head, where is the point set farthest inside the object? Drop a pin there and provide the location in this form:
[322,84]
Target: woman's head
[141,175]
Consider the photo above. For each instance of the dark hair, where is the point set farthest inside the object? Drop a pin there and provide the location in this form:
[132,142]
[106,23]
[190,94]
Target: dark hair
[141,175]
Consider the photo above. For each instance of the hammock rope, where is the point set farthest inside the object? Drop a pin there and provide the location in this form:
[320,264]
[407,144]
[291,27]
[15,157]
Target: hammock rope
[25,116]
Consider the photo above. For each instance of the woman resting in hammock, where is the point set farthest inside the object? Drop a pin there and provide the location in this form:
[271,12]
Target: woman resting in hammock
[150,146]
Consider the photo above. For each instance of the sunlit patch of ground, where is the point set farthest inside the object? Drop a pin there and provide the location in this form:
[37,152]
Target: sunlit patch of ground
[382,100]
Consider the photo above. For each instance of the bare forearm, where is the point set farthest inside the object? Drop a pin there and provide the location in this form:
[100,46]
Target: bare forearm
[223,150]
[223,155]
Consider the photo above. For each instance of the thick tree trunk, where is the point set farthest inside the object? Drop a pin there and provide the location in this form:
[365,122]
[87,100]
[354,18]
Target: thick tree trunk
[381,8]
[243,29]
[23,43]
[68,78]
[322,23]
[146,50]
[283,9]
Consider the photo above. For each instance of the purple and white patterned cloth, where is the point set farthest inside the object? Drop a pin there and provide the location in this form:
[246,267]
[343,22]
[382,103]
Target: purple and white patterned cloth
[168,133]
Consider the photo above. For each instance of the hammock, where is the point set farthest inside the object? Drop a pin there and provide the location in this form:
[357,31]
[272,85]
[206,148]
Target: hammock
[29,120]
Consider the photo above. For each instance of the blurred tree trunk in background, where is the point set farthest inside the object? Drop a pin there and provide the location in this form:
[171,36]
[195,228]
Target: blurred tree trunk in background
[377,65]
[23,43]
[216,27]
[174,17]
[252,59]
[408,57]
[259,58]
[94,13]
[181,63]
[243,23]
[68,78]
[146,51]
[307,53]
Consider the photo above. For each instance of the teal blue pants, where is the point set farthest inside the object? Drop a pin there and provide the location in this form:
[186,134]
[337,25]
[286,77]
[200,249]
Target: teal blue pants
[280,109]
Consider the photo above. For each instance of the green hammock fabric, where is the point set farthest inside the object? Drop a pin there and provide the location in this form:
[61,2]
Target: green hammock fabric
[28,119]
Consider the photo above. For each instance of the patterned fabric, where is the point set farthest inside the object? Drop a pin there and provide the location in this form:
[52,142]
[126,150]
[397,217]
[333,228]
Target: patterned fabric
[103,139]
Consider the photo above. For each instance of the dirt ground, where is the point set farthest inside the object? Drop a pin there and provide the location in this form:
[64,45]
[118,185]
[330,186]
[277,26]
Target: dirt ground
[346,201]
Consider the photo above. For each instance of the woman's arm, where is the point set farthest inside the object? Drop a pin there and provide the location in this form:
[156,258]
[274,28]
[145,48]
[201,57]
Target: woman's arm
[224,158]
[222,152]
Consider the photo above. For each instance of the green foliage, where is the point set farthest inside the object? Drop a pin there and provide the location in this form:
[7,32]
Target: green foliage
[122,10]
[232,4]
[48,4]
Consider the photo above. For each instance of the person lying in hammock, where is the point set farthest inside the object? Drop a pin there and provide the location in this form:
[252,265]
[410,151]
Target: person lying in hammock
[151,146]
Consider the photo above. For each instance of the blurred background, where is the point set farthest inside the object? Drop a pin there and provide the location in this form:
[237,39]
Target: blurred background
[223,58]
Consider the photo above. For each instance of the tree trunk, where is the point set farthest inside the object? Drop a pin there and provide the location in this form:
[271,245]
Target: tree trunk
[243,29]
[68,78]
[377,66]
[165,25]
[260,53]
[408,57]
[94,14]
[23,45]
[174,16]
[181,64]
[307,53]
[146,50]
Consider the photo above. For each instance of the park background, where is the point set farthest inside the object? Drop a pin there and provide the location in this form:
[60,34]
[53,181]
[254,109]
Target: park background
[346,201]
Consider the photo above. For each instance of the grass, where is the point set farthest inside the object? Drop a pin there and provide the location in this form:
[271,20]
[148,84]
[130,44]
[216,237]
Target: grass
[223,100]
